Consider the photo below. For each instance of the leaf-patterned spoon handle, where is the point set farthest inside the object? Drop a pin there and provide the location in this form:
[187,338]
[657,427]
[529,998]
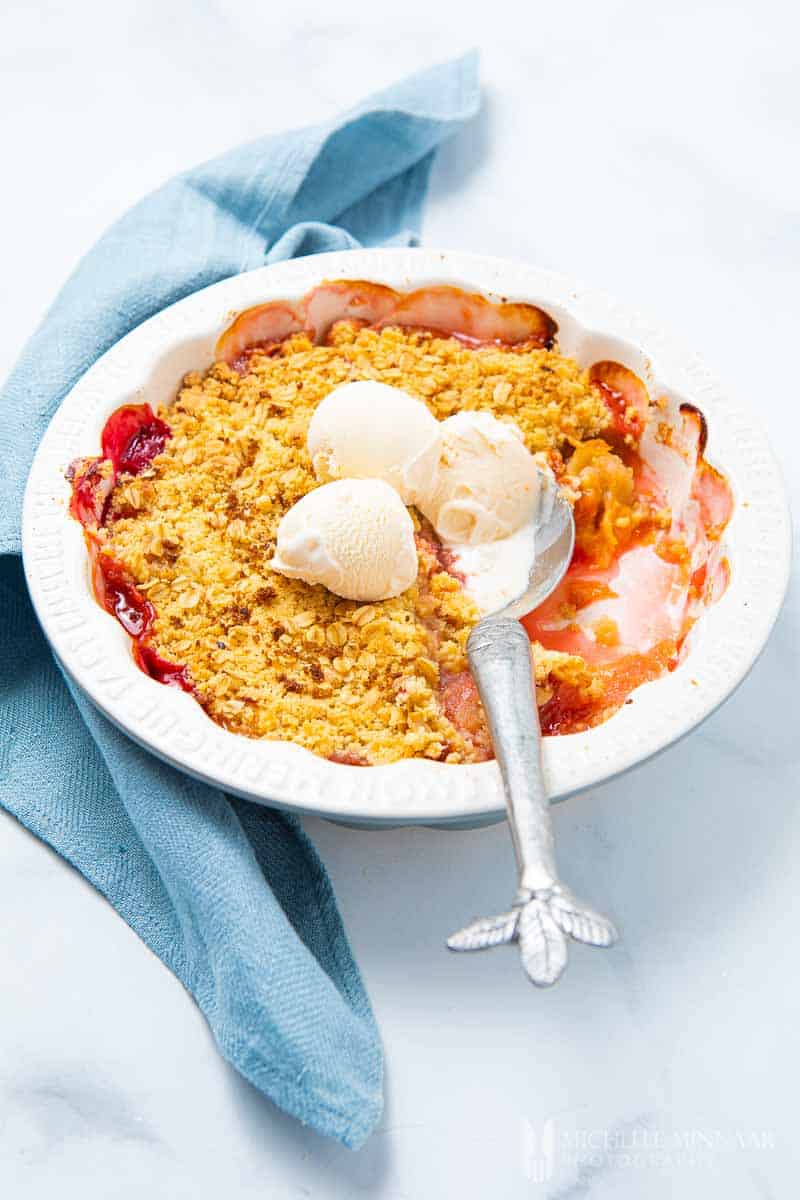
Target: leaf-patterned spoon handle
[544,912]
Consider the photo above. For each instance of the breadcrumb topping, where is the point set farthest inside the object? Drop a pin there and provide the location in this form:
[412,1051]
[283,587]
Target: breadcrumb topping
[272,657]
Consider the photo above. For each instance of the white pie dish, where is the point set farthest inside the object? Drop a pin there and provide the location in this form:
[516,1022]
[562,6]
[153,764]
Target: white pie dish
[148,364]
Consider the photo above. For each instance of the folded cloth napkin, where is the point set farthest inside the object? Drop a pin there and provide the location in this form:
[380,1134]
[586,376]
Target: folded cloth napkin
[231,896]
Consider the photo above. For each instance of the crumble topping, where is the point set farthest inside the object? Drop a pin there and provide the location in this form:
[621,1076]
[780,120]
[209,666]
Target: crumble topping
[273,657]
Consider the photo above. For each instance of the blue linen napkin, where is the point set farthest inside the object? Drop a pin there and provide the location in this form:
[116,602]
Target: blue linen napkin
[231,896]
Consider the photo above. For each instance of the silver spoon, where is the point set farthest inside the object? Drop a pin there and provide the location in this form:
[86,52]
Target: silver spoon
[544,912]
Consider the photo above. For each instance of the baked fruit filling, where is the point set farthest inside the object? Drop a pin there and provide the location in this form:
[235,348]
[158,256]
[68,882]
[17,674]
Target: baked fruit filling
[181,508]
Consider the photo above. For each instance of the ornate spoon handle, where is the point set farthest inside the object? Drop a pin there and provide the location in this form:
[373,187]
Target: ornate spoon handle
[544,912]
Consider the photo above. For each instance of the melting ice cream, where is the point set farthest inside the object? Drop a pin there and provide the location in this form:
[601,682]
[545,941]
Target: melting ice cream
[470,475]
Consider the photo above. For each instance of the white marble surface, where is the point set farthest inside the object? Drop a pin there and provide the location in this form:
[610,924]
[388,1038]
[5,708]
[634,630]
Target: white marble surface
[648,149]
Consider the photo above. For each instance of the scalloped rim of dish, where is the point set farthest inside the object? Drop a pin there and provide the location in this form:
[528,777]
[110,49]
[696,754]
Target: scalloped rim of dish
[148,364]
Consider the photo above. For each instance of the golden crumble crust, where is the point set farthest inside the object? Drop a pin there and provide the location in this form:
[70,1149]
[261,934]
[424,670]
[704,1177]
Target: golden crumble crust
[273,657]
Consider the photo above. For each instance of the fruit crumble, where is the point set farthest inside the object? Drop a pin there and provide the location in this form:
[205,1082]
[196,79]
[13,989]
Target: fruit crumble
[182,507]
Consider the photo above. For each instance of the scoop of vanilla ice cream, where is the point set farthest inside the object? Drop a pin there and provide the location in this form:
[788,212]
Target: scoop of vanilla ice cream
[368,430]
[486,484]
[354,536]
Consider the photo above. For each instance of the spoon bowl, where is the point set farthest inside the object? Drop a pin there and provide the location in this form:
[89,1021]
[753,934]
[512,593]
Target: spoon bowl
[552,548]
